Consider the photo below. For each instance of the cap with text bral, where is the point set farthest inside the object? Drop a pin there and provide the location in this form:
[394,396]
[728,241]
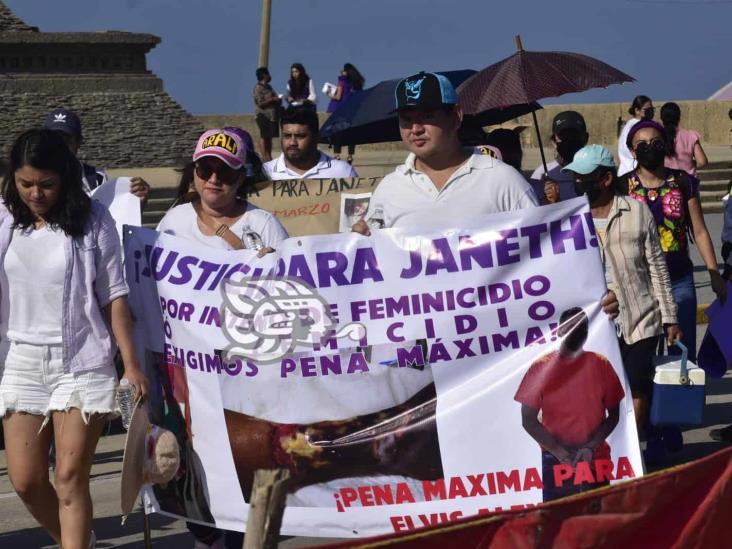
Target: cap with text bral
[223,144]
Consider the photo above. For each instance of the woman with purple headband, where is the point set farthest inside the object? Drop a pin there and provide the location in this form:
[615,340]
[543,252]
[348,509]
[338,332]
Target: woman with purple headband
[673,198]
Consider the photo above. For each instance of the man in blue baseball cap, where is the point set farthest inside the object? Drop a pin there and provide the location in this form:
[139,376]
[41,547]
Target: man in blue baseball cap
[68,124]
[440,180]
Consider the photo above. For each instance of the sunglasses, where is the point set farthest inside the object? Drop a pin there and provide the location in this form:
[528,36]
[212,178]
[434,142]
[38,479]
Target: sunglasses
[656,144]
[224,173]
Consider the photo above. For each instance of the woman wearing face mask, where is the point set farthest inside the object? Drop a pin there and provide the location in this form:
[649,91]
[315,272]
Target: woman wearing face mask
[640,109]
[634,269]
[673,197]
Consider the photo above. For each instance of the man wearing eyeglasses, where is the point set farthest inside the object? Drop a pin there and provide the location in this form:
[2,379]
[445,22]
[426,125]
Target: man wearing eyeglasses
[300,158]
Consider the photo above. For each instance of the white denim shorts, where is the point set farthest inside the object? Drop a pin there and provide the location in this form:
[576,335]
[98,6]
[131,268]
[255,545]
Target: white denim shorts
[33,381]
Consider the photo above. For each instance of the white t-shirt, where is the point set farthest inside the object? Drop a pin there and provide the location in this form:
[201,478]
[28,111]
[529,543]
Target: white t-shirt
[326,168]
[627,162]
[482,185]
[182,221]
[32,290]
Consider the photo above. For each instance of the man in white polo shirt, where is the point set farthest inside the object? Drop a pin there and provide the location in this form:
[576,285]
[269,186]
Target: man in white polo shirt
[441,181]
[300,158]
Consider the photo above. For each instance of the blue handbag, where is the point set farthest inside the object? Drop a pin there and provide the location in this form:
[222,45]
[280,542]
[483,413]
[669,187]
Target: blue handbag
[679,392]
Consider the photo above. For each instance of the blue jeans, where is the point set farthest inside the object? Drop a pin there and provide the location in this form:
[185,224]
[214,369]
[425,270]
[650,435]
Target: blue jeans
[685,298]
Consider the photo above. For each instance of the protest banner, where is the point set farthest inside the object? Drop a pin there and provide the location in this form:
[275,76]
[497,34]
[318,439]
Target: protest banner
[309,206]
[405,379]
[698,495]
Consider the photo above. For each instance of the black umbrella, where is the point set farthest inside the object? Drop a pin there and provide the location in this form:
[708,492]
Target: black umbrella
[527,76]
[367,116]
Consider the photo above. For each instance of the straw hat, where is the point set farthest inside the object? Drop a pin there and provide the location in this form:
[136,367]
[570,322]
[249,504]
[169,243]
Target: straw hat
[151,457]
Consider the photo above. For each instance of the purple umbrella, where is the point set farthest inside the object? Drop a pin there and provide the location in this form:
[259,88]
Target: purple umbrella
[527,76]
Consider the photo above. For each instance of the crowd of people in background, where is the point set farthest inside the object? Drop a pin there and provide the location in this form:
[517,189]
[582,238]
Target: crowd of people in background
[302,94]
[646,213]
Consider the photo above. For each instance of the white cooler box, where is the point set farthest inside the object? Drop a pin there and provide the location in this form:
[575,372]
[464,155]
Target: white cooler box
[679,393]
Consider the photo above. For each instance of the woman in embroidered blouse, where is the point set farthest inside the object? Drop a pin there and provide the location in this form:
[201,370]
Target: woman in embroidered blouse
[63,306]
[673,197]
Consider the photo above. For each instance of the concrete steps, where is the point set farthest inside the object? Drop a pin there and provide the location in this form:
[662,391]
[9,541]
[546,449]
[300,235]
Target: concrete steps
[159,201]
[714,173]
[715,180]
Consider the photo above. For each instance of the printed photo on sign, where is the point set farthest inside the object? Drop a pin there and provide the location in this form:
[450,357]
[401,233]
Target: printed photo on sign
[353,210]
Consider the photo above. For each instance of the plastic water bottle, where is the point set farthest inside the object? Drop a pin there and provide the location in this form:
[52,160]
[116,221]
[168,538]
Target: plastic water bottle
[252,241]
[126,402]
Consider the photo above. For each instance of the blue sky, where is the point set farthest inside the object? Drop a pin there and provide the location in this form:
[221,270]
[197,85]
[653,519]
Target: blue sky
[676,49]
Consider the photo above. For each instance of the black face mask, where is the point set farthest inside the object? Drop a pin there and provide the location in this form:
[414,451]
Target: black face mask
[591,188]
[650,156]
[567,148]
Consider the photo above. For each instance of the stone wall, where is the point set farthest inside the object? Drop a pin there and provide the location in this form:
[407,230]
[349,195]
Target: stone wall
[128,129]
[11,22]
[127,118]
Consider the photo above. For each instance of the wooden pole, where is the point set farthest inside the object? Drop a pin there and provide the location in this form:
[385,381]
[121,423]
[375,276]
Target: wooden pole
[146,526]
[264,34]
[266,507]
[519,44]
[538,137]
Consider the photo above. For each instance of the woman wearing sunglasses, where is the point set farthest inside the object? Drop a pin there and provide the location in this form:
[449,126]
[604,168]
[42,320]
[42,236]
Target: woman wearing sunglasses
[673,198]
[216,213]
[219,214]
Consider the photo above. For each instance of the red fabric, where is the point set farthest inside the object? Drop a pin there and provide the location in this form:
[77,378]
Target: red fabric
[684,507]
[573,395]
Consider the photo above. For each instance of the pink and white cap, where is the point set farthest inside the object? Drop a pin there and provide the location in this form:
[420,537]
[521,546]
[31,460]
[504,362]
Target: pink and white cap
[222,144]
